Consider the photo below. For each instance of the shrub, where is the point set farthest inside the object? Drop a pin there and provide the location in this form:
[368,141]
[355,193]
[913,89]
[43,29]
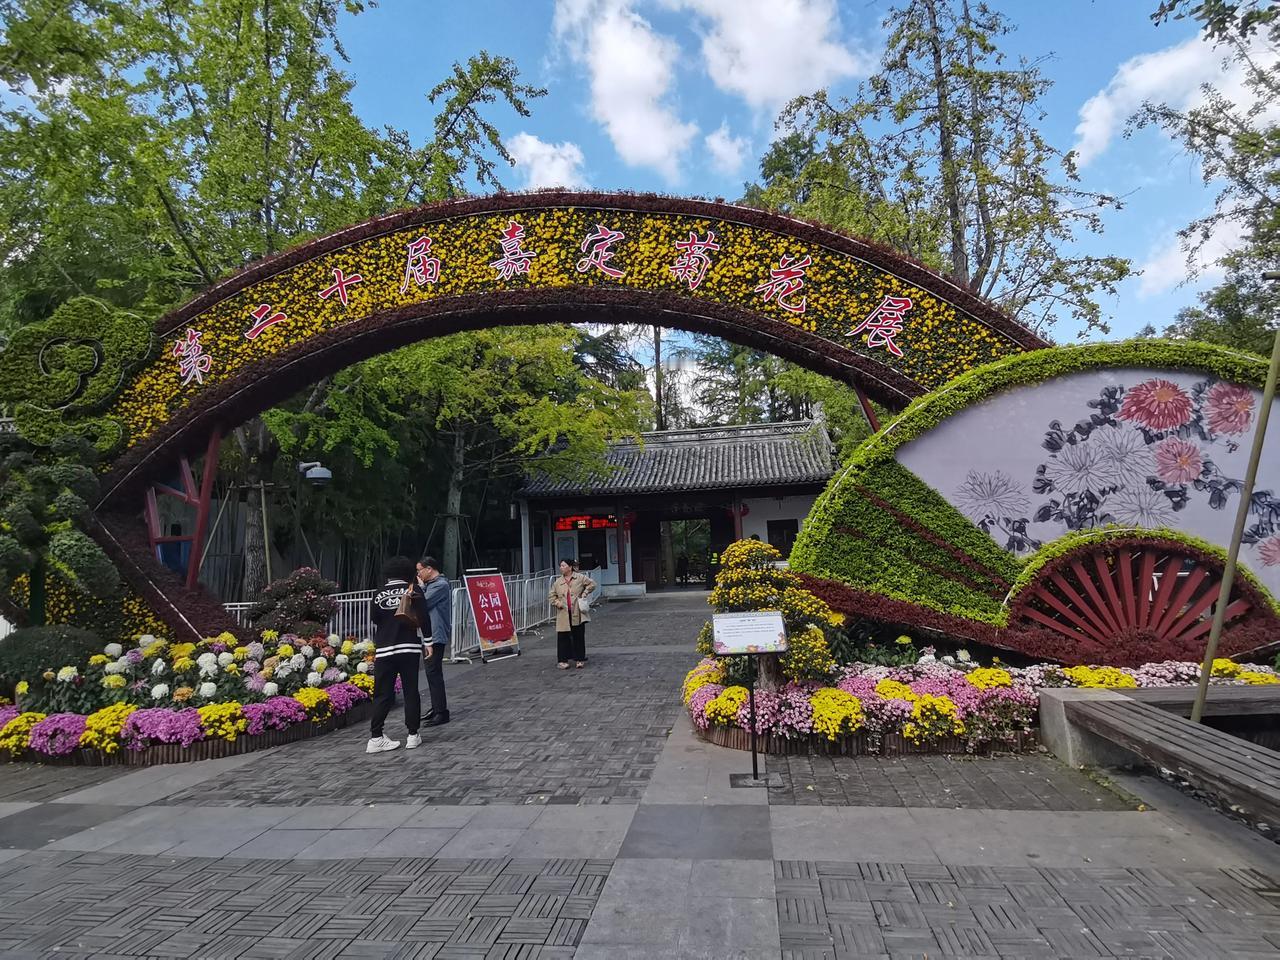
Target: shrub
[28,653]
[300,603]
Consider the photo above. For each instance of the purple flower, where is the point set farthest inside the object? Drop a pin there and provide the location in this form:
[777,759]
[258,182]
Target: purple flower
[698,703]
[344,696]
[276,714]
[256,682]
[332,675]
[257,650]
[161,725]
[7,714]
[57,735]
[134,656]
[252,666]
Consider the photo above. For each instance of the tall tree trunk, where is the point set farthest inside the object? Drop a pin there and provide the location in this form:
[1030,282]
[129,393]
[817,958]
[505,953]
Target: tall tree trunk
[453,506]
[947,150]
[259,452]
[660,418]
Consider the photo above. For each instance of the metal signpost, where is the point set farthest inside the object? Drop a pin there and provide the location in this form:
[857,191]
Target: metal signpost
[1242,517]
[749,635]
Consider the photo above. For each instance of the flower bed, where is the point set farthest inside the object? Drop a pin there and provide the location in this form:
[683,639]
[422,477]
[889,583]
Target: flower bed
[933,706]
[165,703]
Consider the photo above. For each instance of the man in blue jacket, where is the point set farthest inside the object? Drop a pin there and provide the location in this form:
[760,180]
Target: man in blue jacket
[438,595]
[399,651]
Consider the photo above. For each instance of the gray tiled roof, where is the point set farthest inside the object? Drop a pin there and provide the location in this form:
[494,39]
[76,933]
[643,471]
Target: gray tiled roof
[758,455]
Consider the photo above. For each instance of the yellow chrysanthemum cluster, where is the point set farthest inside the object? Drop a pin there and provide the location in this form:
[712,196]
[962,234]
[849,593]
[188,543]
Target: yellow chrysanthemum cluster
[707,671]
[224,721]
[984,678]
[1254,677]
[102,727]
[17,732]
[808,655]
[316,702]
[1102,678]
[724,708]
[363,681]
[835,712]
[1223,667]
[933,718]
[893,690]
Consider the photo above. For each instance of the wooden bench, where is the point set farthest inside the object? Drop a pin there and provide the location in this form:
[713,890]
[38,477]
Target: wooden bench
[1222,701]
[1239,772]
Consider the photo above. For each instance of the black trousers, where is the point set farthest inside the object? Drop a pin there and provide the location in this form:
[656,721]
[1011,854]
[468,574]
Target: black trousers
[385,671]
[435,682]
[571,644]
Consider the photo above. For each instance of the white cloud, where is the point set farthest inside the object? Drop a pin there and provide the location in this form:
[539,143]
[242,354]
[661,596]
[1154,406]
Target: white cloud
[631,70]
[728,153]
[769,51]
[546,164]
[1174,76]
[1166,267]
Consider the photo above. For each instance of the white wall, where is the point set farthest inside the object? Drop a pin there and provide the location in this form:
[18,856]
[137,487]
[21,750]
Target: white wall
[763,509]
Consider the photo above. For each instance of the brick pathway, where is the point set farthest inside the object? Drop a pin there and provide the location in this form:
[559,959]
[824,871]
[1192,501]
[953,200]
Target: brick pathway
[97,905]
[832,910]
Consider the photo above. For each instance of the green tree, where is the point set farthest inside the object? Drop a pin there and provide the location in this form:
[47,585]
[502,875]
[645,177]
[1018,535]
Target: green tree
[167,143]
[1240,312]
[939,155]
[1238,144]
[494,403]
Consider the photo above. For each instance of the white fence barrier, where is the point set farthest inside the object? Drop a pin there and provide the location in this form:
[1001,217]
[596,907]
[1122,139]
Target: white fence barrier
[527,595]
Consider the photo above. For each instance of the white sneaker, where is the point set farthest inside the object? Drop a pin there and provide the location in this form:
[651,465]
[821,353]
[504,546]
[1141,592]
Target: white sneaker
[412,741]
[381,744]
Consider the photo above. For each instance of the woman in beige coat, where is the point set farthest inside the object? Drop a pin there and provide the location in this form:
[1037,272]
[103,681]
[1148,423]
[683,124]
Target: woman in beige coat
[567,593]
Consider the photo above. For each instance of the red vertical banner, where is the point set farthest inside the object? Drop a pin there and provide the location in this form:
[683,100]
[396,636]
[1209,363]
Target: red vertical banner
[491,611]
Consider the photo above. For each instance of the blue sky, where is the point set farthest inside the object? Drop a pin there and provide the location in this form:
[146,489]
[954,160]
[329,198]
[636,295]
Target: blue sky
[680,96]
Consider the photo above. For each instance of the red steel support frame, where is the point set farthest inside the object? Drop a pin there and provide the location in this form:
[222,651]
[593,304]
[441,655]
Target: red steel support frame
[199,499]
[867,411]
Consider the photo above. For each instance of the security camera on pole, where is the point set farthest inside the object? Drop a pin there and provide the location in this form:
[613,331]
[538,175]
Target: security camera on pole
[318,475]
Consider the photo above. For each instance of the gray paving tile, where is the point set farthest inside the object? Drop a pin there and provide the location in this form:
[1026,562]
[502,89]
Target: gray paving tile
[412,842]
[343,844]
[35,826]
[737,832]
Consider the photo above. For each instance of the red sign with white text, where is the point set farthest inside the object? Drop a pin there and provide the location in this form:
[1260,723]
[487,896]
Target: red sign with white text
[491,610]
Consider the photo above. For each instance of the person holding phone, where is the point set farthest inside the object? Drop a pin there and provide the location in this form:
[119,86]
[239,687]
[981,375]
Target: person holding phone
[571,596]
[438,596]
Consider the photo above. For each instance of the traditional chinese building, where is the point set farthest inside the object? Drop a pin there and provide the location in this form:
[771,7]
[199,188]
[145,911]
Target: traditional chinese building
[747,481]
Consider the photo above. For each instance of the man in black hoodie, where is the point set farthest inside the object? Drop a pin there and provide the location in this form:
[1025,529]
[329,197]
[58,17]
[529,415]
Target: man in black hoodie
[399,654]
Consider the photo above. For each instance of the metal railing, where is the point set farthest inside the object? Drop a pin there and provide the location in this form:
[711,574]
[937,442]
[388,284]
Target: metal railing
[527,595]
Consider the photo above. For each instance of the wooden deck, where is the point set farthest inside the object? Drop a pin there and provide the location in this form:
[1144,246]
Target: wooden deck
[1150,723]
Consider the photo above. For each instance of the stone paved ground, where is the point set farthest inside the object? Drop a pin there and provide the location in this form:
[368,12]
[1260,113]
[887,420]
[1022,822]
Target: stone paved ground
[576,815]
[1032,782]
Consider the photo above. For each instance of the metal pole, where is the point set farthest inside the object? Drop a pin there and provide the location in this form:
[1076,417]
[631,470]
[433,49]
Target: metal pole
[1242,517]
[751,696]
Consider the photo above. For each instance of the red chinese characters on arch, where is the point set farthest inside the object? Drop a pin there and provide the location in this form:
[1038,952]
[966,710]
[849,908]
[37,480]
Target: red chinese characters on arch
[598,248]
[884,323]
[420,266]
[193,362]
[786,280]
[340,283]
[515,259]
[692,260]
[264,316]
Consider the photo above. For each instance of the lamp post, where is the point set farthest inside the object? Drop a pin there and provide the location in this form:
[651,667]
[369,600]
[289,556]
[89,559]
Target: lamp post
[1242,517]
[318,475]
